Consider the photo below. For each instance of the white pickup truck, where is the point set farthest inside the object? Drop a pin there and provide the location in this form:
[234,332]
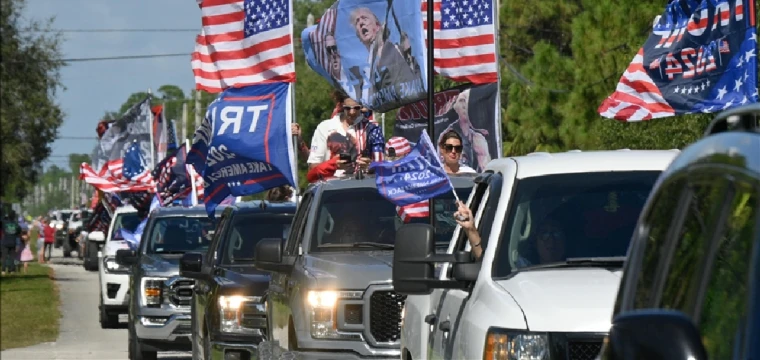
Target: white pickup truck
[114,278]
[555,230]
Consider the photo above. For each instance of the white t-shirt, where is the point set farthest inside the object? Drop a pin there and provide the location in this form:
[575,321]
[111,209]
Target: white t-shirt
[464,169]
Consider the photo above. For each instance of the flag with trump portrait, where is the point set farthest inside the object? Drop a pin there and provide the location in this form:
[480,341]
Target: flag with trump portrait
[701,57]
[244,145]
[373,50]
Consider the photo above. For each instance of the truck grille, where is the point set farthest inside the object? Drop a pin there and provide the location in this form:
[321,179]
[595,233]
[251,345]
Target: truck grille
[181,292]
[583,350]
[253,316]
[385,316]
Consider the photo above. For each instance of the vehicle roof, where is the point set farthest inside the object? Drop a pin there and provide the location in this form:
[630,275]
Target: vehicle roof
[729,148]
[198,210]
[349,182]
[576,161]
[250,207]
[125,209]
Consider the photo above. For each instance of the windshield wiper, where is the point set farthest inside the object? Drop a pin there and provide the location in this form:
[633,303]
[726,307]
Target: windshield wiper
[603,262]
[373,244]
[359,244]
[170,252]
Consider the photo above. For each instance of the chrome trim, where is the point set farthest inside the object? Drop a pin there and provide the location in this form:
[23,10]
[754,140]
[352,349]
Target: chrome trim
[171,289]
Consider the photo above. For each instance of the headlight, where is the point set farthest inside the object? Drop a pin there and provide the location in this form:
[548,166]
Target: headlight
[505,345]
[322,306]
[59,226]
[152,290]
[232,314]
[111,266]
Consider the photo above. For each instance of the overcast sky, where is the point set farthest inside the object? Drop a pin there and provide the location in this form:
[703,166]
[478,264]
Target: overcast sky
[95,87]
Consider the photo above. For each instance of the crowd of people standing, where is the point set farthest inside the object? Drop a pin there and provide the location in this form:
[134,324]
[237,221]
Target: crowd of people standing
[15,241]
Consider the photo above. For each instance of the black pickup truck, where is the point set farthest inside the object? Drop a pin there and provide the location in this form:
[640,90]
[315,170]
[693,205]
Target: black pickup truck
[228,306]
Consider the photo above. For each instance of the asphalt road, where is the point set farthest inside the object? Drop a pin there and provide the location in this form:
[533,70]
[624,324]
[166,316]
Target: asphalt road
[80,336]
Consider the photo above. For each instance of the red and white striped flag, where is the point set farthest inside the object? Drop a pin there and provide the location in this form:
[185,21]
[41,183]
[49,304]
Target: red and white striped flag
[464,40]
[111,179]
[636,97]
[411,211]
[243,42]
[325,28]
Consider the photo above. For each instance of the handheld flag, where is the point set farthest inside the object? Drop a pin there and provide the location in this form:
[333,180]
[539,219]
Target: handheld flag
[700,58]
[418,176]
[244,145]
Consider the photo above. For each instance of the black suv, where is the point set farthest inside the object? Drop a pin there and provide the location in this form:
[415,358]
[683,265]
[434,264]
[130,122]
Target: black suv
[228,307]
[691,285]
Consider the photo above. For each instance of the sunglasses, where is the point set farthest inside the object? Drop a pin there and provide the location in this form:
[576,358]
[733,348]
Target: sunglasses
[348,108]
[449,147]
[332,50]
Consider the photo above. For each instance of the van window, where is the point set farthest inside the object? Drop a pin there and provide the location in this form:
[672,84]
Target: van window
[724,306]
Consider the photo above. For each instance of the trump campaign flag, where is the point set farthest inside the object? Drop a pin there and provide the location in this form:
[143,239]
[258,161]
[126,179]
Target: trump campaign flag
[700,58]
[417,177]
[373,50]
[243,42]
[244,145]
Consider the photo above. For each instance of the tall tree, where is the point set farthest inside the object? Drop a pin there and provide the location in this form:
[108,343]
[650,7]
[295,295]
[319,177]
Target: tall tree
[29,79]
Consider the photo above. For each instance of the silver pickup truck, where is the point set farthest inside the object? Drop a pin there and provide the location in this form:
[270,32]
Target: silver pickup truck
[159,299]
[331,296]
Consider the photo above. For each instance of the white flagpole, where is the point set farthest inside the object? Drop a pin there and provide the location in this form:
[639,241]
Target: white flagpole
[191,170]
[294,139]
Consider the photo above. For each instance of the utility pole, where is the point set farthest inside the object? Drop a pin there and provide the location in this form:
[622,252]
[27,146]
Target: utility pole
[183,126]
[197,108]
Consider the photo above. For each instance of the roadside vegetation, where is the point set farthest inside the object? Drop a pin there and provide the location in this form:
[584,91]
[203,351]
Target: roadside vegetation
[30,312]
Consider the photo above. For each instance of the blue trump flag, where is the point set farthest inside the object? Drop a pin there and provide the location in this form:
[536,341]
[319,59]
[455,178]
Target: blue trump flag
[701,57]
[244,145]
[416,177]
[374,50]
[133,238]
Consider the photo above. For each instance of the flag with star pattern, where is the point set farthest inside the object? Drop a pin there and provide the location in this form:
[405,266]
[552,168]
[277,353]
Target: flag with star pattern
[701,57]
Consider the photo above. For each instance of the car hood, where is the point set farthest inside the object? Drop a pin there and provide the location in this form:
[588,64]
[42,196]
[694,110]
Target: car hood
[161,264]
[350,270]
[242,281]
[565,300]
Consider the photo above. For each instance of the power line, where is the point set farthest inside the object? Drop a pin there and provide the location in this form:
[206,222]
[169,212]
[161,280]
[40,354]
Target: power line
[108,30]
[125,57]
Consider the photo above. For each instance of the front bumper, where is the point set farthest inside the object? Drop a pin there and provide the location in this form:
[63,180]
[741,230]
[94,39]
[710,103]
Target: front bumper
[327,355]
[244,351]
[115,288]
[176,327]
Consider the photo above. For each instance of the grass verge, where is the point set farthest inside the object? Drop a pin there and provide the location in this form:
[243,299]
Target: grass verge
[30,312]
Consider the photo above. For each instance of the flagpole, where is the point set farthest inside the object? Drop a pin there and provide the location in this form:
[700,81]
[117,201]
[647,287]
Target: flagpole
[193,191]
[430,87]
[150,128]
[294,167]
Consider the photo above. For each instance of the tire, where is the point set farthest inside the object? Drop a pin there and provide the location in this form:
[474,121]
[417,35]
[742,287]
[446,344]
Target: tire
[91,256]
[66,249]
[292,340]
[107,321]
[135,350]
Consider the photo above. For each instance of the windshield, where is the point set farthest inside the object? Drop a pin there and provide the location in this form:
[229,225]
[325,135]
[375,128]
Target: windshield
[247,230]
[176,235]
[65,216]
[554,218]
[127,221]
[362,219]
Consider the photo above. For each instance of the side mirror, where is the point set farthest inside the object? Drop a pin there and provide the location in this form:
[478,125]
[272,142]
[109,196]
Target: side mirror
[97,236]
[190,265]
[414,244]
[268,256]
[653,334]
[126,257]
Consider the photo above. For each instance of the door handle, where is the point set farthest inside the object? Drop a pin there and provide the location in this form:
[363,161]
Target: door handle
[445,326]
[430,319]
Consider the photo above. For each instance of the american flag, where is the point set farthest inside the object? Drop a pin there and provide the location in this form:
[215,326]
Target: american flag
[636,97]
[111,179]
[243,43]
[325,27]
[370,139]
[416,210]
[464,40]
